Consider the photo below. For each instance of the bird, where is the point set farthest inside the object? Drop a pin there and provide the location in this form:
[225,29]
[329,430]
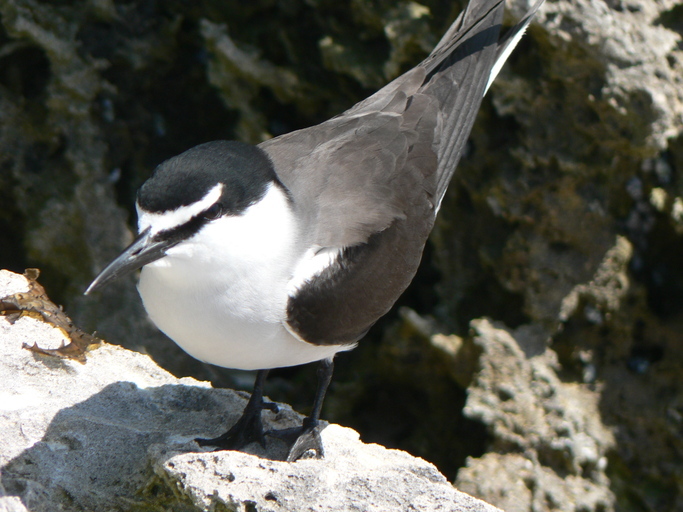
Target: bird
[284,253]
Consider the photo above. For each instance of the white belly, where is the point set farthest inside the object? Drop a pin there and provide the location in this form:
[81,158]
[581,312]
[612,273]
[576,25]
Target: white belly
[222,294]
[220,332]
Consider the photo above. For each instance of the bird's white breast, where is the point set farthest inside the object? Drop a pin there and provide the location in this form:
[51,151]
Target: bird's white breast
[222,294]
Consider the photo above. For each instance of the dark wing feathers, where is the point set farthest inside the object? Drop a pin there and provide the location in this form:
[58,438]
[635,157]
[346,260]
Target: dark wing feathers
[358,155]
[468,24]
[458,85]
[378,135]
[339,306]
[511,37]
[321,315]
[370,180]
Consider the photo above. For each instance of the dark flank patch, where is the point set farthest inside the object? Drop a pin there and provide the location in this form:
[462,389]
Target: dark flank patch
[245,171]
[347,298]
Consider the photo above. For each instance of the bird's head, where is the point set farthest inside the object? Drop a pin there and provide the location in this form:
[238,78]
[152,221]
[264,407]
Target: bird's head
[209,184]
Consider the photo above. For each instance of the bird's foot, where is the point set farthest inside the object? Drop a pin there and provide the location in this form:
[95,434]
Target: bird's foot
[304,442]
[248,429]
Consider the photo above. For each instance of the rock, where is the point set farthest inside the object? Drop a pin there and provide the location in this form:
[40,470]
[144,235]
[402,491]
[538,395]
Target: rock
[115,433]
[353,476]
[529,410]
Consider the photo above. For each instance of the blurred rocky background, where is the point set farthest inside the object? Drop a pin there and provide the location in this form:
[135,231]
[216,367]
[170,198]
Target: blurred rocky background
[537,358]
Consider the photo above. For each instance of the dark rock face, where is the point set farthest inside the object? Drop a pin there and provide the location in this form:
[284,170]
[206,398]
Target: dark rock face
[564,220]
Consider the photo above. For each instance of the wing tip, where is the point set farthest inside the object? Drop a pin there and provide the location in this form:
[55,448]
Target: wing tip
[510,40]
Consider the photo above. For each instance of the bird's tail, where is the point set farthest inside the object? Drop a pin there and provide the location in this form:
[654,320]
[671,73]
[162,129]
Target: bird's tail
[460,71]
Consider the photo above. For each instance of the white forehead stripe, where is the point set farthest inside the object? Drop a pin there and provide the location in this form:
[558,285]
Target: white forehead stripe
[179,216]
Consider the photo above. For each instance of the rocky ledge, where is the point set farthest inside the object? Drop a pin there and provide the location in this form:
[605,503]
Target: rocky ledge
[115,432]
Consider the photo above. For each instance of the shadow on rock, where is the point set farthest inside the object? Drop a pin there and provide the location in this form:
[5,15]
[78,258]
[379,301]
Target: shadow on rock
[97,450]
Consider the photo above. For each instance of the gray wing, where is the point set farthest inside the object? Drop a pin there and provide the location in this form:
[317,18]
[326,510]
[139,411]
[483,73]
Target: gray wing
[353,175]
[371,179]
[419,121]
[365,184]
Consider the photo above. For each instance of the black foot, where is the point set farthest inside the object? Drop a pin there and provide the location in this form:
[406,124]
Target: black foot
[303,442]
[247,430]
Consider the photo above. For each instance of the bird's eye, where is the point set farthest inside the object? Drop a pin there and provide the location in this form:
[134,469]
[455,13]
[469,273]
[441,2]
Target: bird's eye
[214,212]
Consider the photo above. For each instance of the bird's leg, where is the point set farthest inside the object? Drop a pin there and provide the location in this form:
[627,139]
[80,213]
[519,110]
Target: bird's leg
[307,437]
[249,427]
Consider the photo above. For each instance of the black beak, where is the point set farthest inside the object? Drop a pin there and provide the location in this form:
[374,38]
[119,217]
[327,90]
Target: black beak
[144,249]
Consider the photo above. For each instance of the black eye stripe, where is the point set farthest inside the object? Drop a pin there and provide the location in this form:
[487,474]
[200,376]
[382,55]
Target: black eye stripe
[184,231]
